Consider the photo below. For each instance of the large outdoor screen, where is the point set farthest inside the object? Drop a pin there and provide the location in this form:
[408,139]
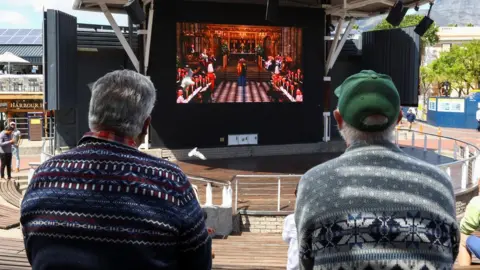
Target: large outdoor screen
[219,63]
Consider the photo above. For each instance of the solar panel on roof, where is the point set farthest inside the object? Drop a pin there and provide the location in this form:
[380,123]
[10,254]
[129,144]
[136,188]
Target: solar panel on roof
[23,32]
[11,32]
[29,40]
[3,40]
[39,40]
[15,40]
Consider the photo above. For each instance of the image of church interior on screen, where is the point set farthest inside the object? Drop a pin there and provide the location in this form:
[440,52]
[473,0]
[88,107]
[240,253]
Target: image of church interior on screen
[219,63]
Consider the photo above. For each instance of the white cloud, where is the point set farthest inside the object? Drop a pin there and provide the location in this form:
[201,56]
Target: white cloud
[13,18]
[66,6]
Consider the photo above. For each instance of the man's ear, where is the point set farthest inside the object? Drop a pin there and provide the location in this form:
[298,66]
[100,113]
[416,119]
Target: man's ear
[338,118]
[400,116]
[146,124]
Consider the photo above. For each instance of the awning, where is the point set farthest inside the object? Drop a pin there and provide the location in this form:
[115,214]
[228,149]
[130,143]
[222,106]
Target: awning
[350,8]
[31,53]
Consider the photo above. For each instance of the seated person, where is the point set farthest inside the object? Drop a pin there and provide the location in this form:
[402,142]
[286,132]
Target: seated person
[470,223]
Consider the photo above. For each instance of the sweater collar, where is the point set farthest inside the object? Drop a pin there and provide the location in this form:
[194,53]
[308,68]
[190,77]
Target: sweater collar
[380,143]
[109,137]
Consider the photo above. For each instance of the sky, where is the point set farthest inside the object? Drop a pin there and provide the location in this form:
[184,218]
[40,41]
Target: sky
[28,13]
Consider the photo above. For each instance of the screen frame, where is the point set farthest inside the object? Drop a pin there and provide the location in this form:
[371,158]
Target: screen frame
[303,122]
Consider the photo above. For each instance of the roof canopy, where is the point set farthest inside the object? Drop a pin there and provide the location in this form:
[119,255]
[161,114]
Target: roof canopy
[9,57]
[348,8]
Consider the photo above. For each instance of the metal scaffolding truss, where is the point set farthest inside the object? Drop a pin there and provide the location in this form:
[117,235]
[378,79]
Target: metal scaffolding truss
[114,6]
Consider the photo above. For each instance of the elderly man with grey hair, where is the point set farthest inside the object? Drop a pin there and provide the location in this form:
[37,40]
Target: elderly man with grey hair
[106,205]
[374,207]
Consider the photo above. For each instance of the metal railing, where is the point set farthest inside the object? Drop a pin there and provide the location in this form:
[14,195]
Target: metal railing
[30,83]
[464,167]
[465,164]
[48,129]
[226,191]
[48,151]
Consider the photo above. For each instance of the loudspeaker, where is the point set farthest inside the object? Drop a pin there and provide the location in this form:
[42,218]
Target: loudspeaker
[60,56]
[272,10]
[423,26]
[396,14]
[135,11]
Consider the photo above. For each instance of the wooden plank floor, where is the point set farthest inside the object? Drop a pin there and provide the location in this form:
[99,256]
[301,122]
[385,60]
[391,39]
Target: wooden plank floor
[250,251]
[246,252]
[12,255]
[9,217]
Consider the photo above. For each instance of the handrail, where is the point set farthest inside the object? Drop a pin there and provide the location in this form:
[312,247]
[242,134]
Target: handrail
[470,167]
[207,180]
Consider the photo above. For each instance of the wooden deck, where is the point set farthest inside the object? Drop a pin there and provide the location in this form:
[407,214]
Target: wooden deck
[12,255]
[9,191]
[249,251]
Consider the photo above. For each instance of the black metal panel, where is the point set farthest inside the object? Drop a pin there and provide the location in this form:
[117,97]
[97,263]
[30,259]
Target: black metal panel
[395,52]
[104,40]
[61,56]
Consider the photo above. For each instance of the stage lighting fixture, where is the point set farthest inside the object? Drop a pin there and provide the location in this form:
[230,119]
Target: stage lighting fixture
[425,23]
[397,13]
[135,11]
[272,10]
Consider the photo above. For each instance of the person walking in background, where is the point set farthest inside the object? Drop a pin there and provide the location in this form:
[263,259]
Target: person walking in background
[470,223]
[17,138]
[6,142]
[289,235]
[374,207]
[107,205]
[478,119]
[410,118]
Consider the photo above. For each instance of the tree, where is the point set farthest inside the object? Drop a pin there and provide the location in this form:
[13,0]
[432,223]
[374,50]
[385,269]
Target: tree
[429,39]
[460,66]
[356,27]
[470,25]
[452,25]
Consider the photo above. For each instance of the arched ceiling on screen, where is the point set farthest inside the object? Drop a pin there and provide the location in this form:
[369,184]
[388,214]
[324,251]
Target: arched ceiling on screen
[340,8]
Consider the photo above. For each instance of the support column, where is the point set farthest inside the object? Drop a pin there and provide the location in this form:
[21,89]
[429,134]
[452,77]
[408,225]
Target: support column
[120,36]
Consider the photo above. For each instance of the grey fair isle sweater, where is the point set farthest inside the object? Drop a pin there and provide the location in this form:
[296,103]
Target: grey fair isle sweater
[376,207]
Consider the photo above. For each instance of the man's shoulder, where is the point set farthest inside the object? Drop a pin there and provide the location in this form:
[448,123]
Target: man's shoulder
[118,157]
[326,169]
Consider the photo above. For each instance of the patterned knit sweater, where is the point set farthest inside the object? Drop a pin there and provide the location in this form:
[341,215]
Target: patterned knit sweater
[375,207]
[106,205]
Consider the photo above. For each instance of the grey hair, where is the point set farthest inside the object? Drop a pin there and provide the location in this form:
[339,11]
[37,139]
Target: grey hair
[351,134]
[121,102]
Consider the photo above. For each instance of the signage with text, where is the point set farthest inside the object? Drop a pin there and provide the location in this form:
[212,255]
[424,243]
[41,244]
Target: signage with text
[451,105]
[34,104]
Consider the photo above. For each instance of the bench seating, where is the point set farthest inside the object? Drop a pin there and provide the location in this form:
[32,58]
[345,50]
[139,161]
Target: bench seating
[9,191]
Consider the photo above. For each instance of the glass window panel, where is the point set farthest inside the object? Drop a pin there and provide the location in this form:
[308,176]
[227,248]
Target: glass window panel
[2,31]
[36,32]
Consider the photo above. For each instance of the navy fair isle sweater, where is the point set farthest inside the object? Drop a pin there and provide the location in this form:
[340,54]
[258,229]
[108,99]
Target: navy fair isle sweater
[106,205]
